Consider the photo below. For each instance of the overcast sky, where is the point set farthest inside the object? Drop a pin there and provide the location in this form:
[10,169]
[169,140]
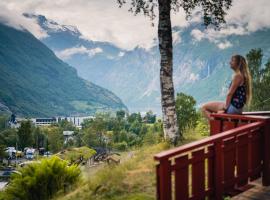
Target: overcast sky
[102,20]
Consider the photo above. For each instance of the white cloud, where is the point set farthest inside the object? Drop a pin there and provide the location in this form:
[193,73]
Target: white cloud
[15,20]
[194,77]
[197,34]
[254,14]
[244,17]
[121,54]
[224,45]
[176,37]
[98,20]
[101,20]
[67,53]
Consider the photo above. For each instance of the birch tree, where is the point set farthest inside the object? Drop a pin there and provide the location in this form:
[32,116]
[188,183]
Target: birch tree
[213,13]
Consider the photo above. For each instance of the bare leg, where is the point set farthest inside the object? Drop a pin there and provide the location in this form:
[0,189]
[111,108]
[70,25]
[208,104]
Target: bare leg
[212,107]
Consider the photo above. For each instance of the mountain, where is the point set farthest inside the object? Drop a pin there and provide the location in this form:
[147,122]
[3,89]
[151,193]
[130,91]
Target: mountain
[34,82]
[201,67]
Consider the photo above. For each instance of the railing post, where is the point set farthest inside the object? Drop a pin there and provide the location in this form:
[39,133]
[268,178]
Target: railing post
[266,152]
[215,126]
[164,180]
[218,170]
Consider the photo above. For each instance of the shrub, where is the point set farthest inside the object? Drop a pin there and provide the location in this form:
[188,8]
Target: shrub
[121,146]
[41,180]
[74,154]
[186,112]
[202,127]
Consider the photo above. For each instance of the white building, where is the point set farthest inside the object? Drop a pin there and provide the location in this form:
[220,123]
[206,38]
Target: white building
[43,121]
[68,135]
[76,121]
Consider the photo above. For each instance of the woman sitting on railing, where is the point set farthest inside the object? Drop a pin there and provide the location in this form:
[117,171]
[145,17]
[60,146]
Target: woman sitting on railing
[240,90]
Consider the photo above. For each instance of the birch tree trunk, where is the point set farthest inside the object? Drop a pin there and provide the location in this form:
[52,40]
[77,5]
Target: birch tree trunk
[170,125]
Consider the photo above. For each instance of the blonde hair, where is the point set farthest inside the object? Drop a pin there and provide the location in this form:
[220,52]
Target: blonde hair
[244,70]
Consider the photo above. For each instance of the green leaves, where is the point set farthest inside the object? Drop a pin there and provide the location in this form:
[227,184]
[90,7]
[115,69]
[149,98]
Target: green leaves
[25,137]
[42,180]
[213,12]
[261,80]
[186,111]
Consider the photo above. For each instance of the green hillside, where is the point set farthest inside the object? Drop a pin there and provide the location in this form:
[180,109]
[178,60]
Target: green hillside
[34,82]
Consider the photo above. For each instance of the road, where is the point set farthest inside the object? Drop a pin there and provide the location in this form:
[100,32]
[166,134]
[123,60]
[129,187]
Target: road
[2,185]
[14,161]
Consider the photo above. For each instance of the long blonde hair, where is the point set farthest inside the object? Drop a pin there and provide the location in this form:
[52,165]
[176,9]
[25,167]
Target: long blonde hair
[244,70]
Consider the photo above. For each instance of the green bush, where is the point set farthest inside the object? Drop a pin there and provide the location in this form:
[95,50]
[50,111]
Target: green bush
[121,146]
[74,154]
[186,112]
[41,180]
[202,127]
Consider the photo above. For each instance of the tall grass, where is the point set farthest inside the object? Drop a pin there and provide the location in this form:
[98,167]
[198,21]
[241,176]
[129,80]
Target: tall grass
[133,179]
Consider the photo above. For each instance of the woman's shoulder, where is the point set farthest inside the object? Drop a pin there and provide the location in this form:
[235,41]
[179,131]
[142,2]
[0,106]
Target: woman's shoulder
[238,79]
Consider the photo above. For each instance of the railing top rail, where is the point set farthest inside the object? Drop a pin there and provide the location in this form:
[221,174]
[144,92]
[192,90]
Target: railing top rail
[244,116]
[257,113]
[209,140]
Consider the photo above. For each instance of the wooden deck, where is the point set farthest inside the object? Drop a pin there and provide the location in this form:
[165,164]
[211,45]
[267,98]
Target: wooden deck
[258,192]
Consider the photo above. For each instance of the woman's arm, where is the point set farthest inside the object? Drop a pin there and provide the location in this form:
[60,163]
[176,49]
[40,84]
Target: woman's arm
[237,79]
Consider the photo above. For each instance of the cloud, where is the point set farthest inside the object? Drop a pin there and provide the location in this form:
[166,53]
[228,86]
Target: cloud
[194,77]
[68,53]
[97,20]
[216,37]
[176,37]
[101,20]
[224,45]
[254,15]
[15,20]
[121,54]
[244,17]
[197,34]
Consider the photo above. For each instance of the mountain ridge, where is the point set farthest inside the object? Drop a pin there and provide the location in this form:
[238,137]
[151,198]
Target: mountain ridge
[37,83]
[201,67]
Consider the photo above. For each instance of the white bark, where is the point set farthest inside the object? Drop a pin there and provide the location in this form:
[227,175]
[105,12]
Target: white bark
[170,125]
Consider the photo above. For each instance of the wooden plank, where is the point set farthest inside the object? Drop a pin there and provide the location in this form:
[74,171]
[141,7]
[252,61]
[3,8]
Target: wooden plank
[198,175]
[210,171]
[242,117]
[215,127]
[181,178]
[256,154]
[228,125]
[165,180]
[242,159]
[157,181]
[266,156]
[207,141]
[256,193]
[218,170]
[242,123]
[229,151]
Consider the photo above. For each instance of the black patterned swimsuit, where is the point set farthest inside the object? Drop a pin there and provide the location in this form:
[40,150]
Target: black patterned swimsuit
[239,97]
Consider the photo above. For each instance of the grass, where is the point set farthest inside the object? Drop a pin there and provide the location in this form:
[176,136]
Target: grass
[133,179]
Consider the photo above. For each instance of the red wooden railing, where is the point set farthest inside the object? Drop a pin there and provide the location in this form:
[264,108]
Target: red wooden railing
[237,152]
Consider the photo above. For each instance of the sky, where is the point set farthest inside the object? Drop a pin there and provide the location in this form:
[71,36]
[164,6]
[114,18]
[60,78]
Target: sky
[103,20]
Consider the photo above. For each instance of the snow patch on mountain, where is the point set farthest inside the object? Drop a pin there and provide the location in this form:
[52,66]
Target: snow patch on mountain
[68,53]
[51,26]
